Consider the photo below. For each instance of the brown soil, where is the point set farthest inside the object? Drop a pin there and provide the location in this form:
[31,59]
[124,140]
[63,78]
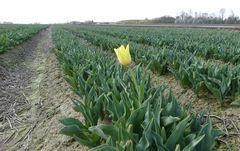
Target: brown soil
[34,96]
[15,74]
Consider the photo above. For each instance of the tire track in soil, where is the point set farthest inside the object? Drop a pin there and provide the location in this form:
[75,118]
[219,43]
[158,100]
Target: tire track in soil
[46,98]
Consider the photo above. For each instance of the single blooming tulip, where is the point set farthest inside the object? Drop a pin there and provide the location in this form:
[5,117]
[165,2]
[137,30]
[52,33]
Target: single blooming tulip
[123,55]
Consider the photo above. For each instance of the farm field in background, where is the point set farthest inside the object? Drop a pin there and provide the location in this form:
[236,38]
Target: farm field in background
[179,91]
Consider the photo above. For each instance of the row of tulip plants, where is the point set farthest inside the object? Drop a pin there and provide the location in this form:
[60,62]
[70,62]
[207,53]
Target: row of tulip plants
[209,44]
[12,35]
[122,110]
[204,77]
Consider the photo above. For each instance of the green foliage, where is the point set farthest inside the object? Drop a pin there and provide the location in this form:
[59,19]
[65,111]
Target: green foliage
[122,110]
[183,60]
[12,35]
[209,44]
[79,132]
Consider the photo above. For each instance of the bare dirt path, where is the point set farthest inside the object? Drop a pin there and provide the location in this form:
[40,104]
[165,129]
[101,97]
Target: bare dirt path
[33,97]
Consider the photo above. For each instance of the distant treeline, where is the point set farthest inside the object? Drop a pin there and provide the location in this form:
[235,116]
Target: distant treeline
[192,18]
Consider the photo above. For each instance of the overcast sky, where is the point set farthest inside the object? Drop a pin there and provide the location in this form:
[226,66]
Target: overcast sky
[59,11]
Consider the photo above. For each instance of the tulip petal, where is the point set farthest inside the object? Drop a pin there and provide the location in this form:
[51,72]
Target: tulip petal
[116,50]
[127,48]
[123,55]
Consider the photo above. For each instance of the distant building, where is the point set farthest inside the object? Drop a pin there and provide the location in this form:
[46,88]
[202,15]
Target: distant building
[75,22]
[6,22]
[89,22]
[102,23]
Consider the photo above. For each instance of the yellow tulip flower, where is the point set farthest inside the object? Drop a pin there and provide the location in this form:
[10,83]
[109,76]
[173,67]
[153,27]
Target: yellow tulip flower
[123,55]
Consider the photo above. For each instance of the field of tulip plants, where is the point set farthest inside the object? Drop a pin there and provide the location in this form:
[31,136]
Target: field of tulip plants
[122,109]
[12,35]
[201,68]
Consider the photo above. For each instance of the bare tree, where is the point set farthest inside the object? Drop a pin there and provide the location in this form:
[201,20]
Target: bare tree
[232,19]
[232,14]
[222,13]
[182,15]
[195,14]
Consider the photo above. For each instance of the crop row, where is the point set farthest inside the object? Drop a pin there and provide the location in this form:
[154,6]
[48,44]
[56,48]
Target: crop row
[122,110]
[12,35]
[208,44]
[221,80]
